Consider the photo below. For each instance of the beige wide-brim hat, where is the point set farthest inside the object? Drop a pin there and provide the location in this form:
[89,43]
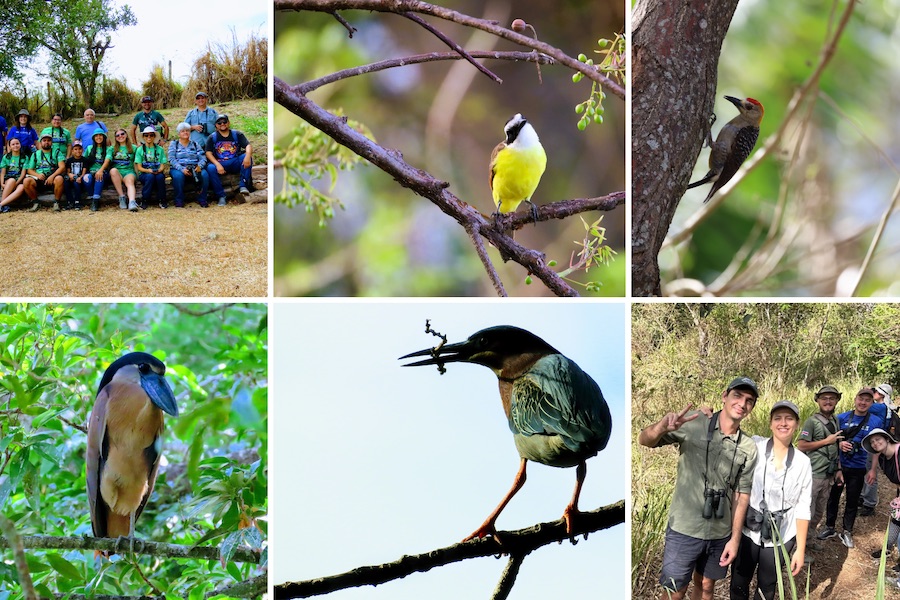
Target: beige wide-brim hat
[867,441]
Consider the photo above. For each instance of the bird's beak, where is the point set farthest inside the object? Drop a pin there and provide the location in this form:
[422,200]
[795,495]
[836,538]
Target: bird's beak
[160,393]
[448,353]
[736,101]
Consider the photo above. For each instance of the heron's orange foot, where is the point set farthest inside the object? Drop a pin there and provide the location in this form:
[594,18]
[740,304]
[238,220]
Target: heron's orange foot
[571,515]
[486,529]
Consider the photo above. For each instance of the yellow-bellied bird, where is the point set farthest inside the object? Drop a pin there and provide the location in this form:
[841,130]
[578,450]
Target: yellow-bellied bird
[516,166]
[124,441]
[556,412]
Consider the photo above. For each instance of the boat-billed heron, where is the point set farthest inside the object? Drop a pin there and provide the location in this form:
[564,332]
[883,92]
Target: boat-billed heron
[556,412]
[124,441]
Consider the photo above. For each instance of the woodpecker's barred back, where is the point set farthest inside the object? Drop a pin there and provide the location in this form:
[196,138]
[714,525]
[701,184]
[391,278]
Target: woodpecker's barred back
[733,145]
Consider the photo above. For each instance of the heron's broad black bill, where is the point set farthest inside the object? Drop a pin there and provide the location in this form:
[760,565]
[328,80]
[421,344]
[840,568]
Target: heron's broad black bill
[460,352]
[160,393]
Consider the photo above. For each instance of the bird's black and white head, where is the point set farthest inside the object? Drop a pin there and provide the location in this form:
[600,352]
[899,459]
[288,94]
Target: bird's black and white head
[147,371]
[493,347]
[520,133]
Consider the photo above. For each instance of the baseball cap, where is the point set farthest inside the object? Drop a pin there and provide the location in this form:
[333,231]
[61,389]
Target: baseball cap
[866,390]
[147,99]
[76,143]
[745,382]
[222,118]
[786,404]
[149,129]
[47,133]
[204,94]
[828,389]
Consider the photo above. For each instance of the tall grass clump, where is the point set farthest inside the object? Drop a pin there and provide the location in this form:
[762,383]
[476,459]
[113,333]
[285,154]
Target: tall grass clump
[165,92]
[114,96]
[227,72]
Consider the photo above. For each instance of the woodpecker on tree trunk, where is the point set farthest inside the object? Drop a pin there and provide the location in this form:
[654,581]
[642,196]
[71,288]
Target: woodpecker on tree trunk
[733,145]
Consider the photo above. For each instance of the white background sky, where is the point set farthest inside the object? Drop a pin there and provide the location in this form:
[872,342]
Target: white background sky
[178,31]
[371,461]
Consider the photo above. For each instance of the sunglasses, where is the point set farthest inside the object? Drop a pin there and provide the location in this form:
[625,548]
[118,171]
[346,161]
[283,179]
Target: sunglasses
[120,134]
[149,135]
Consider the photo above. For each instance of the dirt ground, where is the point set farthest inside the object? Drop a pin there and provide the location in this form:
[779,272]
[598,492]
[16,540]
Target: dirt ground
[217,251]
[837,573]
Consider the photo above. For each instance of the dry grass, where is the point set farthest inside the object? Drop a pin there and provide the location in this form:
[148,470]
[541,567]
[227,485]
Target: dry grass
[176,252]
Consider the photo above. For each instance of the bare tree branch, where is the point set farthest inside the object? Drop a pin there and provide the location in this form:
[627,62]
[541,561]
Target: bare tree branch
[516,543]
[508,579]
[459,49]
[140,547]
[184,308]
[404,6]
[305,88]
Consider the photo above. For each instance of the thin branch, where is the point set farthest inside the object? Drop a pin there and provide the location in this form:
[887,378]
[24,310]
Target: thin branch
[140,547]
[508,579]
[420,182]
[350,28]
[486,261]
[878,233]
[772,141]
[185,309]
[459,49]
[563,209]
[251,588]
[306,87]
[520,542]
[12,537]
[402,6]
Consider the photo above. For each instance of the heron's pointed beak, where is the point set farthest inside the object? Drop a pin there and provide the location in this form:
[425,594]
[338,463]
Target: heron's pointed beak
[448,353]
[160,393]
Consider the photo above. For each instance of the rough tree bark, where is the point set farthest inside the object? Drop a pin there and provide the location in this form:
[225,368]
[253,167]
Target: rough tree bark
[675,58]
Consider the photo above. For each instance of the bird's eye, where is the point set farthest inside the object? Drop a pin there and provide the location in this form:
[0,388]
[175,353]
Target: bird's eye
[144,367]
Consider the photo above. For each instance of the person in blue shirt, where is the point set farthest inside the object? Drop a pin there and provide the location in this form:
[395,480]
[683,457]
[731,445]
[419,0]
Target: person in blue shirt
[201,119]
[855,425]
[25,133]
[86,130]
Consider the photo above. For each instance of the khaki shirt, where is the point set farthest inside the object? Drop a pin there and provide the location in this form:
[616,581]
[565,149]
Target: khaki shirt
[813,431]
[732,459]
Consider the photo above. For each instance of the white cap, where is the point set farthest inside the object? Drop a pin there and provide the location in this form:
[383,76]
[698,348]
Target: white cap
[886,391]
[149,129]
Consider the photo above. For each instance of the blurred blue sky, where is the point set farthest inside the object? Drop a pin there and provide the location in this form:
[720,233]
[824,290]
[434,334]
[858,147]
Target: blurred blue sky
[371,461]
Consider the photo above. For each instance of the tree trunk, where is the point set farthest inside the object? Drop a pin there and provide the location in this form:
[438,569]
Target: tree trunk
[675,57]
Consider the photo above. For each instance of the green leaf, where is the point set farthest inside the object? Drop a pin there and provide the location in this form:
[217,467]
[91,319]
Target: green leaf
[63,567]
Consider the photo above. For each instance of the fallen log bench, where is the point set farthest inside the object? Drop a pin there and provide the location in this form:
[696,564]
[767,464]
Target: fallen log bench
[230,182]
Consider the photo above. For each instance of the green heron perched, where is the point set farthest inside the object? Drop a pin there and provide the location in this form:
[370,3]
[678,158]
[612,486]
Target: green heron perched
[124,441]
[555,410]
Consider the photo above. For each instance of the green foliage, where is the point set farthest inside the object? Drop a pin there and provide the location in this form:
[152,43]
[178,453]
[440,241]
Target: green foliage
[593,250]
[115,97]
[212,483]
[613,65]
[311,156]
[76,35]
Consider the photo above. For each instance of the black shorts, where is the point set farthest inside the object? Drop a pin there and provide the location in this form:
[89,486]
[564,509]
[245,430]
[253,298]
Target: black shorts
[684,554]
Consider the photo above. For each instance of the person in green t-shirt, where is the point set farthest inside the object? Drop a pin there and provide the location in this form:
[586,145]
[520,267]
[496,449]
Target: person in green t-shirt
[151,163]
[45,167]
[712,490]
[99,153]
[149,118]
[62,139]
[122,171]
[819,437]
[12,174]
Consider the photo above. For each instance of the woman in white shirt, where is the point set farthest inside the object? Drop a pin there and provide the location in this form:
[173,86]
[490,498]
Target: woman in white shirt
[782,484]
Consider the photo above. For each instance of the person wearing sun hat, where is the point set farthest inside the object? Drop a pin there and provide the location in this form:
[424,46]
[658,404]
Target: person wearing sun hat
[22,129]
[782,484]
[712,490]
[869,498]
[882,446]
[819,437]
[150,160]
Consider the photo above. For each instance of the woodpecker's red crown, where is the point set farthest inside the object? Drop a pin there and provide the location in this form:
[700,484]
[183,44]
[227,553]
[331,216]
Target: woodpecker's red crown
[758,103]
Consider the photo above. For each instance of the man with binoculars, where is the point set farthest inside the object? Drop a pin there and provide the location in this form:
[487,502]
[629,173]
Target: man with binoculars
[712,490]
